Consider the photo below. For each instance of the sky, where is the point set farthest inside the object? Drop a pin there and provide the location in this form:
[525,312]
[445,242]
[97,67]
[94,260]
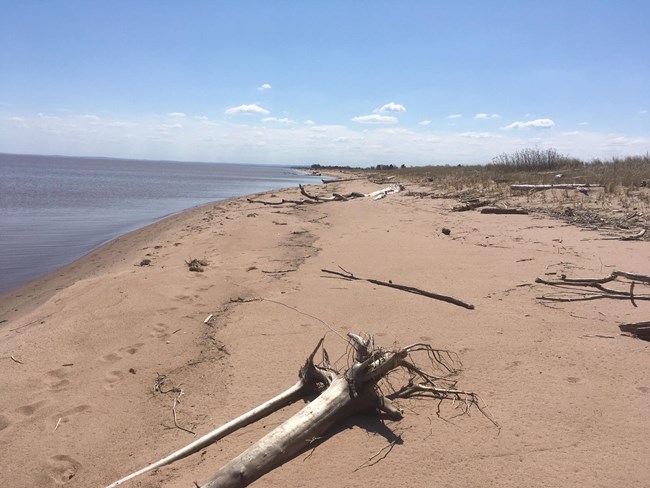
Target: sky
[329,82]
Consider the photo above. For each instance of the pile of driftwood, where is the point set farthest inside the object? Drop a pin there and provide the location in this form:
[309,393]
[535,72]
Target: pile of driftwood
[584,289]
[361,387]
[334,197]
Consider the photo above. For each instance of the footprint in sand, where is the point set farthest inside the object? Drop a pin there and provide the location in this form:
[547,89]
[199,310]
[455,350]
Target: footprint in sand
[4,422]
[64,417]
[62,468]
[31,409]
[55,379]
[112,378]
[160,331]
[114,357]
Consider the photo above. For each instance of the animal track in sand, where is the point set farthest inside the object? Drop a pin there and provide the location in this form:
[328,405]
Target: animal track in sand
[64,417]
[55,379]
[28,410]
[62,468]
[114,357]
[112,378]
[160,331]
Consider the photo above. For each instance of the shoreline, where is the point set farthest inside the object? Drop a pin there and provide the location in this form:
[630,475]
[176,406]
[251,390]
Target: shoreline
[38,290]
[83,352]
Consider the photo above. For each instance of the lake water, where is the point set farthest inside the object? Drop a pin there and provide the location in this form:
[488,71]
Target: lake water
[54,210]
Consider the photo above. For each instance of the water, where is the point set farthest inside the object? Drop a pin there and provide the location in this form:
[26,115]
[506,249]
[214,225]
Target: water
[54,210]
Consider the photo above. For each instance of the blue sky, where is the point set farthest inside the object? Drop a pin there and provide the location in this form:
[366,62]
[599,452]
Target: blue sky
[361,82]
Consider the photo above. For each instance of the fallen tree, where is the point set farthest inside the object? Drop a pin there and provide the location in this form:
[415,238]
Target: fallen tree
[360,387]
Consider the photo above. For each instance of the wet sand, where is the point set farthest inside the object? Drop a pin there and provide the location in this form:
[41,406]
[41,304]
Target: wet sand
[571,394]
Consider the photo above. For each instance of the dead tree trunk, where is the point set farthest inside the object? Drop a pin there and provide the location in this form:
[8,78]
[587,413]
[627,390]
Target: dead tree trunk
[344,394]
[331,407]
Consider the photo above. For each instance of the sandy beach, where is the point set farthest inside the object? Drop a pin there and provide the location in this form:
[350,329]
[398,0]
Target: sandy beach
[83,348]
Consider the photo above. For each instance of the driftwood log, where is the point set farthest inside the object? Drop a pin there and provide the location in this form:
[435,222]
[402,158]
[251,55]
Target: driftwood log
[358,388]
[334,197]
[506,211]
[558,186]
[638,329]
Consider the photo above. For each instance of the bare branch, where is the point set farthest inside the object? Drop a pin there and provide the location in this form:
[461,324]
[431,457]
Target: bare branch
[409,289]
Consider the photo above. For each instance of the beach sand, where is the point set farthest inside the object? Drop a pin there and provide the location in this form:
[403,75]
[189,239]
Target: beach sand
[83,347]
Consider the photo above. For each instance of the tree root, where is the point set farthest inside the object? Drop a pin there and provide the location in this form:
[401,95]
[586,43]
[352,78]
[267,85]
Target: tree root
[343,394]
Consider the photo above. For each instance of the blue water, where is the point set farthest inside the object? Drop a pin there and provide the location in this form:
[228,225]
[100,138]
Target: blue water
[54,210]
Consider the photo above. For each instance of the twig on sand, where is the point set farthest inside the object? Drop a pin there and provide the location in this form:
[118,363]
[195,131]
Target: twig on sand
[176,401]
[57,424]
[601,291]
[346,275]
[383,452]
[13,359]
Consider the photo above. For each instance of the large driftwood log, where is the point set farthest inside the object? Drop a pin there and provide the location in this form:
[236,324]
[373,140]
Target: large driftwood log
[344,393]
[558,186]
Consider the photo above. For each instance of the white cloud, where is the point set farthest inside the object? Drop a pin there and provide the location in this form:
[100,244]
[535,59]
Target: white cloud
[478,135]
[247,109]
[375,119]
[643,111]
[283,120]
[537,123]
[583,123]
[17,119]
[47,117]
[92,118]
[265,87]
[391,107]
[310,122]
[454,116]
[160,137]
[200,117]
[176,114]
[482,116]
[424,122]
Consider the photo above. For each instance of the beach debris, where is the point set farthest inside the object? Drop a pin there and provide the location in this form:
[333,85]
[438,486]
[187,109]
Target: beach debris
[446,231]
[584,289]
[196,265]
[13,359]
[638,329]
[505,211]
[583,187]
[208,318]
[334,197]
[471,204]
[346,275]
[635,237]
[342,393]
[58,422]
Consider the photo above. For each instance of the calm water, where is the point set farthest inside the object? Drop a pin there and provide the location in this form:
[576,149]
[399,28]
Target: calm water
[56,209]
